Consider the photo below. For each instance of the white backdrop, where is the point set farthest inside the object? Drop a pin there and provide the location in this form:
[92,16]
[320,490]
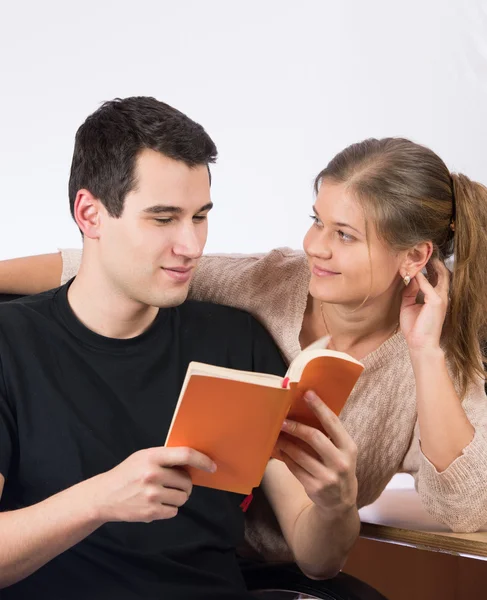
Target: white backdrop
[281,86]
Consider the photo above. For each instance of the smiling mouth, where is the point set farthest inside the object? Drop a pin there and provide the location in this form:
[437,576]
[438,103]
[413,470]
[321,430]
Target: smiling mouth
[323,272]
[181,274]
[178,269]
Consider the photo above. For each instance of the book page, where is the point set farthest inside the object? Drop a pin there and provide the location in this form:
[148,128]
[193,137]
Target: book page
[311,352]
[196,368]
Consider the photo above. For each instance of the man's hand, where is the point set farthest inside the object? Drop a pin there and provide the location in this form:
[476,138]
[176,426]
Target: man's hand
[323,464]
[149,485]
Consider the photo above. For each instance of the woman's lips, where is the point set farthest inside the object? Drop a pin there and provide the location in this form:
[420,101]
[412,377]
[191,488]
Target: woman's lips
[320,272]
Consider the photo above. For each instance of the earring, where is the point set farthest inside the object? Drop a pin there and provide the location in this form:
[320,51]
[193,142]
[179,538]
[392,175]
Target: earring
[406,279]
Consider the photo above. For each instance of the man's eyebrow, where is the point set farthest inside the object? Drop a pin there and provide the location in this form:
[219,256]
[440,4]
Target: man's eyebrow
[158,209]
[206,207]
[340,224]
[162,208]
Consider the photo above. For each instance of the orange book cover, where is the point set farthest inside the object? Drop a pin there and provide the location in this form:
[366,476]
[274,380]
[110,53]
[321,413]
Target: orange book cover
[235,417]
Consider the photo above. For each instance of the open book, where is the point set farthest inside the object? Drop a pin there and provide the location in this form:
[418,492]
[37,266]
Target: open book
[235,417]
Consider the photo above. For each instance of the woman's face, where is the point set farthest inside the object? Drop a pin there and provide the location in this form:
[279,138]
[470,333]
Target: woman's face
[345,269]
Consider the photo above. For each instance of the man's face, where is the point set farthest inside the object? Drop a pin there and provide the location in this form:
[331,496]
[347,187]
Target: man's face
[149,254]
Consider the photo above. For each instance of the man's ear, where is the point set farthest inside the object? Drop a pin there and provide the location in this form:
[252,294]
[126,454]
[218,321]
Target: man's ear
[416,259]
[87,213]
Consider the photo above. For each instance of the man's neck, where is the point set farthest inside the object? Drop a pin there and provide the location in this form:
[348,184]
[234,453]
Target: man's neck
[104,309]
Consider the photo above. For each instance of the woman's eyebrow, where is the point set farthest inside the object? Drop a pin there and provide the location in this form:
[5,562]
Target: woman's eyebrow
[340,224]
[349,226]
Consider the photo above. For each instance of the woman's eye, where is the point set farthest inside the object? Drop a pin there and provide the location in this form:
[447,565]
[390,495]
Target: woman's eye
[316,220]
[345,236]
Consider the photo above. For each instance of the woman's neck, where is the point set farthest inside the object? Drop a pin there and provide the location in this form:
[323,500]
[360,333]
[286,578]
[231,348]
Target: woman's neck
[357,331]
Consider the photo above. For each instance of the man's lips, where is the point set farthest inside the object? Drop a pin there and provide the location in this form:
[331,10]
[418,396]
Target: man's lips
[321,272]
[181,274]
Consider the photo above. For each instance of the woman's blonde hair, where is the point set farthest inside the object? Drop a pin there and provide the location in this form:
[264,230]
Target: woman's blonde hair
[411,197]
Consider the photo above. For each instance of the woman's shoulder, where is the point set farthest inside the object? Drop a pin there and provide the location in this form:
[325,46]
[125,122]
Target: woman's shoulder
[264,268]
[266,284]
[280,256]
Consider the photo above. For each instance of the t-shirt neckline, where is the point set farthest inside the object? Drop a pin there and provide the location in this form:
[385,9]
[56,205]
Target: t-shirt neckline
[89,337]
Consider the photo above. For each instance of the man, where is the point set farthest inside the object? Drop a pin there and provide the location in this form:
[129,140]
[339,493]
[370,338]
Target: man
[92,505]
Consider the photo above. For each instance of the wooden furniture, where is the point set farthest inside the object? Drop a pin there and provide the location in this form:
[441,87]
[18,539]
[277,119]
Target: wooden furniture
[404,553]
[398,517]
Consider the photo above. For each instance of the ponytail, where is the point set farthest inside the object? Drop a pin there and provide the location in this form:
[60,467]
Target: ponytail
[413,197]
[466,322]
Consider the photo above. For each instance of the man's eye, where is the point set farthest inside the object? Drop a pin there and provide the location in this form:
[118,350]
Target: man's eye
[163,221]
[199,218]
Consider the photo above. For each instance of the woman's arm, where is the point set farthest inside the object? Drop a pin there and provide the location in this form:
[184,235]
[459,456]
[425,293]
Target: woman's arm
[314,491]
[451,435]
[456,495]
[30,274]
[444,425]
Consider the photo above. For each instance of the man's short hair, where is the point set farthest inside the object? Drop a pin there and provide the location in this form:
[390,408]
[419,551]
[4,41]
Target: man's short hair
[109,141]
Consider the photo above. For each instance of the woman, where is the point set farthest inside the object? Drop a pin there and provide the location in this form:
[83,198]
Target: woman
[385,210]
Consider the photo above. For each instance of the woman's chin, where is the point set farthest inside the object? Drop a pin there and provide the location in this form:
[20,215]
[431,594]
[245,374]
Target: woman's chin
[325,293]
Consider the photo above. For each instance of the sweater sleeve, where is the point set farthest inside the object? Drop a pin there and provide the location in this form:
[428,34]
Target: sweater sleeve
[272,287]
[225,279]
[71,258]
[456,496]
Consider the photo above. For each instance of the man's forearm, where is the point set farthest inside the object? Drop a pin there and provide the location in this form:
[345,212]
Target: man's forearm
[32,536]
[322,540]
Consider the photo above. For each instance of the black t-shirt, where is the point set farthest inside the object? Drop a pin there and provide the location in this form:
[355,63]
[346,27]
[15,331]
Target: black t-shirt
[74,404]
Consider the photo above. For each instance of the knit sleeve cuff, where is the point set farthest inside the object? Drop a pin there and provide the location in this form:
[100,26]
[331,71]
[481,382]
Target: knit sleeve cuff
[71,262]
[468,470]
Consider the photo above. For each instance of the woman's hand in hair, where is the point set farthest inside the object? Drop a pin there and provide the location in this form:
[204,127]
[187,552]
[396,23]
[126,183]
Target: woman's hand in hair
[422,321]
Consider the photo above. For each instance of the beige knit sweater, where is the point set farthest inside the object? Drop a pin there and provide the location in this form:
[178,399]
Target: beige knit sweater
[380,414]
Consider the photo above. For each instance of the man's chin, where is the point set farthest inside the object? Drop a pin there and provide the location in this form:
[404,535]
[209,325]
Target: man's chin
[170,299]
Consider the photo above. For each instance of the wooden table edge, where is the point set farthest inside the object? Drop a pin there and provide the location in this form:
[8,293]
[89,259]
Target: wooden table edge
[424,540]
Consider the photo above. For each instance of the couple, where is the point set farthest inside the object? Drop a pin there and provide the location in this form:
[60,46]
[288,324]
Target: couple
[92,359]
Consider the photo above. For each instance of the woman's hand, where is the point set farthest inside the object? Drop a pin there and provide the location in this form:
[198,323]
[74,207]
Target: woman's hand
[422,324]
[324,464]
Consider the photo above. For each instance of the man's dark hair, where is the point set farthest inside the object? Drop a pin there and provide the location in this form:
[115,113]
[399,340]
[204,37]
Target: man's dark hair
[109,141]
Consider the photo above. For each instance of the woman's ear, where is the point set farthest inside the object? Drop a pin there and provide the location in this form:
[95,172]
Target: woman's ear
[87,213]
[416,259]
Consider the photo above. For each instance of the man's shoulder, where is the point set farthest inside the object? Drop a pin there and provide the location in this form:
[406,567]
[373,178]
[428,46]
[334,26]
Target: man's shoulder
[25,307]
[210,311]
[229,337]
[221,320]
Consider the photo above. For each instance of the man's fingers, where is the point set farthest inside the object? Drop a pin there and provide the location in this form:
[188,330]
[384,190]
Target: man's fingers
[182,457]
[156,494]
[176,478]
[172,497]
